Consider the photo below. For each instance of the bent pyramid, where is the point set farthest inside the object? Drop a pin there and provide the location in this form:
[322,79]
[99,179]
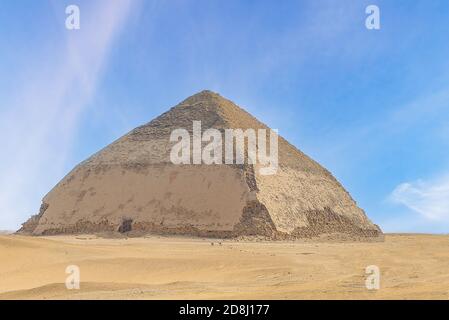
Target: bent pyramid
[132,187]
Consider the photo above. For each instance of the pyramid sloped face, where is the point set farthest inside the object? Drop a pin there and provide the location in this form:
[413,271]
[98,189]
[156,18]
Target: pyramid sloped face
[133,186]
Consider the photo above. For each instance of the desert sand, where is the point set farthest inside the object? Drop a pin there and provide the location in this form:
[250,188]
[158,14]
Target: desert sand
[412,267]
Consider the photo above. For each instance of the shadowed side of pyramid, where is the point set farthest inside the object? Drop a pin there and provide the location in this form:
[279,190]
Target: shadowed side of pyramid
[132,187]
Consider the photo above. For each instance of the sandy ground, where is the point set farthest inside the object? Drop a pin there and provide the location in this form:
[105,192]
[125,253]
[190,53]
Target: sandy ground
[411,266]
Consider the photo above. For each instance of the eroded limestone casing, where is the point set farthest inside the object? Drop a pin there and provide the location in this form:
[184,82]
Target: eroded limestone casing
[131,186]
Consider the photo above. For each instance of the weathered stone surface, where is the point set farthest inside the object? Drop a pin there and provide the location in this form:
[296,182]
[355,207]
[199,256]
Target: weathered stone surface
[132,187]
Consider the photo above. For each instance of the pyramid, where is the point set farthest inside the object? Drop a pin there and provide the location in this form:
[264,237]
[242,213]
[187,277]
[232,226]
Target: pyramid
[132,187]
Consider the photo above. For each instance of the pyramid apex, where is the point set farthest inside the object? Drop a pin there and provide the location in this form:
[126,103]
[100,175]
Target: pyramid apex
[204,95]
[207,92]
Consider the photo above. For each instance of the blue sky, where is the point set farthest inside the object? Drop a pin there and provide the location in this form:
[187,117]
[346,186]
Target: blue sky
[370,105]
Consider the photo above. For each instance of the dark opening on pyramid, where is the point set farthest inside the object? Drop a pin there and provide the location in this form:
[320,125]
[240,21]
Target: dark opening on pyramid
[132,186]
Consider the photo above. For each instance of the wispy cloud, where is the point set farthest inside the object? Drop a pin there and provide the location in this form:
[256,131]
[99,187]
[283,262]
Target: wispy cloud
[428,198]
[44,113]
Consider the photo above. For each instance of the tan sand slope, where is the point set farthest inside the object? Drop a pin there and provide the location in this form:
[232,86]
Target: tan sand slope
[411,266]
[132,186]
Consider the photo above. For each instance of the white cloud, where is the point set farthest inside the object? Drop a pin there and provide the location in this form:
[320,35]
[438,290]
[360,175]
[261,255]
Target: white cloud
[42,117]
[428,198]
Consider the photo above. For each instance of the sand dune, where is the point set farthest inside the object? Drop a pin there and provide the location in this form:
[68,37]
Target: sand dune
[412,266]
